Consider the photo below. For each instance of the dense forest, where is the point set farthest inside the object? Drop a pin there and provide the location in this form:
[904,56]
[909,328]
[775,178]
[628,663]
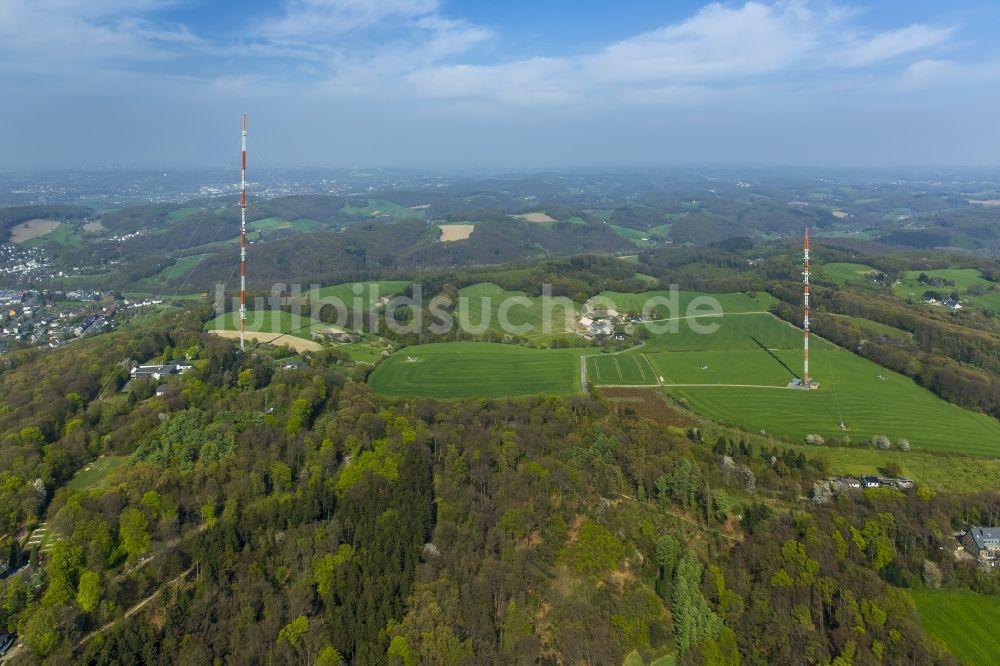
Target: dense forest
[259,514]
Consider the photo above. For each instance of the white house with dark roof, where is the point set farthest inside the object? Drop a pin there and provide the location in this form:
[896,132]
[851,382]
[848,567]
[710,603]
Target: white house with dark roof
[983,542]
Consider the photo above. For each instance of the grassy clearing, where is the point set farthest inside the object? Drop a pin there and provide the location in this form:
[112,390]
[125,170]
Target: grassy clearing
[638,238]
[379,208]
[479,310]
[540,217]
[662,231]
[26,231]
[844,273]
[635,659]
[620,370]
[361,295]
[94,473]
[875,326]
[870,400]
[730,303]
[936,470]
[268,321]
[731,332]
[181,213]
[966,281]
[746,366]
[455,232]
[277,224]
[966,621]
[477,369]
[181,267]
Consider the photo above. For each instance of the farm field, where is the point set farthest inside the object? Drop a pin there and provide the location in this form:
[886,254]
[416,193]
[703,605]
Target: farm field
[538,217]
[478,310]
[277,223]
[24,232]
[477,369]
[735,331]
[843,273]
[455,232]
[371,292]
[638,238]
[966,621]
[267,321]
[964,279]
[744,366]
[731,303]
[870,400]
[381,208]
[620,370]
[181,267]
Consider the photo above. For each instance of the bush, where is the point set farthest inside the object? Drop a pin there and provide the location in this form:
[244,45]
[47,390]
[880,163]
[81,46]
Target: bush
[816,440]
[881,442]
[903,444]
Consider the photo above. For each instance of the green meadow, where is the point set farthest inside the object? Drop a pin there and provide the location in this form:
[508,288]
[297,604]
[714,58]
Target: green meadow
[181,267]
[268,321]
[967,622]
[968,282]
[869,399]
[479,306]
[381,208]
[277,223]
[94,473]
[661,303]
[477,369]
[362,295]
[843,273]
[620,369]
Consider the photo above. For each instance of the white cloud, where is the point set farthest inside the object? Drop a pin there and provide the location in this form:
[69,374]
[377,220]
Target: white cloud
[891,44]
[326,18]
[926,74]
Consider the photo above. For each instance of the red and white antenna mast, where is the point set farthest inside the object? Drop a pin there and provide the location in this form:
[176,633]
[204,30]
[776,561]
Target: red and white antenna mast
[805,318]
[243,239]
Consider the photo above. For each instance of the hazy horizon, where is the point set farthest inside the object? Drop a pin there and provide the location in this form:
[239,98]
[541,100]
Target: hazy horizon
[405,84]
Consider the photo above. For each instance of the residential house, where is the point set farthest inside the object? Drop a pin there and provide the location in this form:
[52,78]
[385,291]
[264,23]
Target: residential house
[983,542]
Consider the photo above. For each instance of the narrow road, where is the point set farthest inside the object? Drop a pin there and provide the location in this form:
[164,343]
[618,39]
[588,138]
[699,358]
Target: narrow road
[134,609]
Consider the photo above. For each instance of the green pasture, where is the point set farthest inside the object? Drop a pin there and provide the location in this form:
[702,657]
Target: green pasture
[935,470]
[662,231]
[968,282]
[267,321]
[180,214]
[874,326]
[843,273]
[479,308]
[663,306]
[620,369]
[361,295]
[276,223]
[181,267]
[967,622]
[870,400]
[64,234]
[477,370]
[734,331]
[381,208]
[638,238]
[94,473]
[753,367]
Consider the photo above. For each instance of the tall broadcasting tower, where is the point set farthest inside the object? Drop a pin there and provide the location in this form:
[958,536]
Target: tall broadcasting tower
[805,318]
[243,239]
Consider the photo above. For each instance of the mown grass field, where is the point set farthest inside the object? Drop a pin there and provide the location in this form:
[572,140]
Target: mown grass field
[94,473]
[967,622]
[181,267]
[478,311]
[870,400]
[843,273]
[660,303]
[735,331]
[965,279]
[267,321]
[277,223]
[370,292]
[477,369]
[741,366]
[620,370]
[382,208]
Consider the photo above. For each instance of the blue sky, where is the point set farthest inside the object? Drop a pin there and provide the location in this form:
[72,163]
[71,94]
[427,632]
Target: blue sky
[510,84]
